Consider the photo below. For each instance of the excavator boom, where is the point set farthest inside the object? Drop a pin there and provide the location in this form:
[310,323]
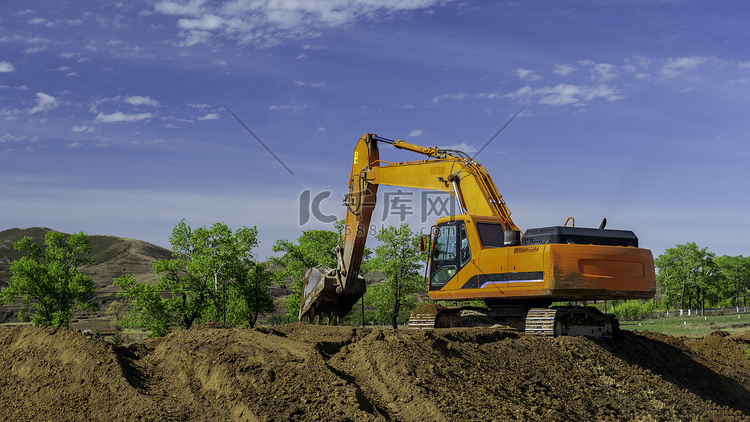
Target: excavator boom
[331,292]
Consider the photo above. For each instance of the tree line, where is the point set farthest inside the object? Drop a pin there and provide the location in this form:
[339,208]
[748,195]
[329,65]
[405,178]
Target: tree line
[691,277]
[213,275]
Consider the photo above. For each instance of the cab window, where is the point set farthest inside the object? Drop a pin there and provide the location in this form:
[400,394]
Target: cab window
[450,252]
[445,243]
[464,246]
[491,235]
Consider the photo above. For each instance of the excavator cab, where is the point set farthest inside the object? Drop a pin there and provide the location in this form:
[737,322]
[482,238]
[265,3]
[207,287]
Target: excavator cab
[475,257]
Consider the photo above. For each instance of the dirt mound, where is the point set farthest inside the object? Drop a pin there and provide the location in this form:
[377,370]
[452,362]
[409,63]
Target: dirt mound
[307,373]
[48,374]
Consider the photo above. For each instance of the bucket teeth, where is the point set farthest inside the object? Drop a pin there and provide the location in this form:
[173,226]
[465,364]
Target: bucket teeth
[324,298]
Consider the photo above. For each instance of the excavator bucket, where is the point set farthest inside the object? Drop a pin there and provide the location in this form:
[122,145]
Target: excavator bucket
[322,296]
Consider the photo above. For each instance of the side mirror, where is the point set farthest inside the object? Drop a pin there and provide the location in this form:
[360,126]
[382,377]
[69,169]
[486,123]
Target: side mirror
[424,243]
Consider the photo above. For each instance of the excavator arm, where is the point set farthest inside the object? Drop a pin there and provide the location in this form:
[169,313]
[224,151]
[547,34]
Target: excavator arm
[332,293]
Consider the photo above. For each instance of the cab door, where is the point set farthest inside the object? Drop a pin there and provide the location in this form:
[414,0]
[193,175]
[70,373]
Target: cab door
[450,252]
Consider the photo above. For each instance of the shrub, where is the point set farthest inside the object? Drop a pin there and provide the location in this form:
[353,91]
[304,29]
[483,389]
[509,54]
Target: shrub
[117,339]
[631,310]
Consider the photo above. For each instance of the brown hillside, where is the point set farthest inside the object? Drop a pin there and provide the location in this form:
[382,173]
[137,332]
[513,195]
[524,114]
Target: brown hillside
[113,256]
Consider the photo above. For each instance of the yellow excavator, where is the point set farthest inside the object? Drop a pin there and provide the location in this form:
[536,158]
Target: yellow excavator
[480,255]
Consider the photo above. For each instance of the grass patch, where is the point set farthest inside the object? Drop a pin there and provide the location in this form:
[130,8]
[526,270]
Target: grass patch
[691,326]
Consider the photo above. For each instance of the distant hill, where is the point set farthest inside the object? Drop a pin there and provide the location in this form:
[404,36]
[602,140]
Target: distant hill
[113,256]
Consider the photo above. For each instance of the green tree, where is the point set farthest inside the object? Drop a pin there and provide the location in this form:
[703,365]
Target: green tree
[148,308]
[214,254]
[735,271]
[399,258]
[687,276]
[47,279]
[249,296]
[190,288]
[314,248]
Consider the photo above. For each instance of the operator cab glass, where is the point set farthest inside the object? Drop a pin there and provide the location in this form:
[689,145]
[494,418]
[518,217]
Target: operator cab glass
[491,235]
[450,252]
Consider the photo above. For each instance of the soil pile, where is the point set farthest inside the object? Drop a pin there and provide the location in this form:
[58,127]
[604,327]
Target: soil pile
[307,373]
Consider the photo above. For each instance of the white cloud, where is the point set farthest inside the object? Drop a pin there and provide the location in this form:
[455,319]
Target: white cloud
[204,23]
[119,116]
[265,23]
[600,72]
[680,65]
[564,94]
[20,87]
[35,50]
[563,69]
[137,100]
[415,133]
[459,96]
[74,145]
[744,65]
[463,146]
[193,7]
[39,21]
[13,138]
[44,102]
[527,75]
[603,72]
[489,95]
[81,129]
[209,116]
[7,67]
[195,37]
[279,107]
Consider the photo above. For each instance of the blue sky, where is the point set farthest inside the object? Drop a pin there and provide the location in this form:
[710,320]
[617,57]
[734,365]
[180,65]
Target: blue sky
[113,119]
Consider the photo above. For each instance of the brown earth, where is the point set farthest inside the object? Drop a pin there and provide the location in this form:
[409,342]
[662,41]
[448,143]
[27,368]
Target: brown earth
[301,372]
